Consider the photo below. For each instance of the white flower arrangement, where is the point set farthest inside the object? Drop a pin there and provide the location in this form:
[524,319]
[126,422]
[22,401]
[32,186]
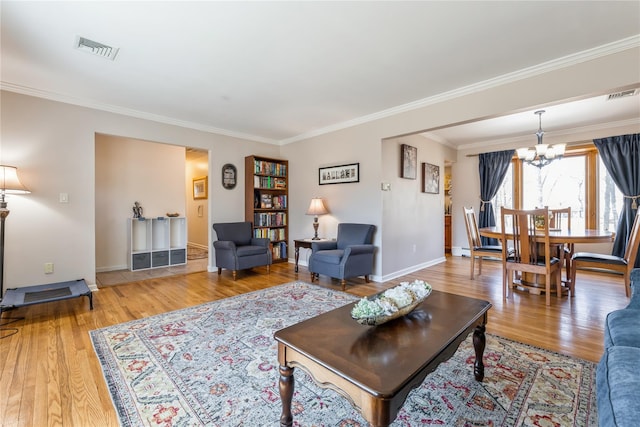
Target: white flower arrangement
[392,300]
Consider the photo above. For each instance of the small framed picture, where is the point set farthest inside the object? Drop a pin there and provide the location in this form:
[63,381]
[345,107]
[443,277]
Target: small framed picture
[430,178]
[408,161]
[339,174]
[229,174]
[200,188]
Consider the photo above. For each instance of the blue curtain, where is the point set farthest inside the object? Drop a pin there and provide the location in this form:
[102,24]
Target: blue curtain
[493,168]
[621,156]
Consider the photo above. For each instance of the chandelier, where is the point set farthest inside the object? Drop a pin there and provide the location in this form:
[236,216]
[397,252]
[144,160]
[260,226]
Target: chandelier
[542,154]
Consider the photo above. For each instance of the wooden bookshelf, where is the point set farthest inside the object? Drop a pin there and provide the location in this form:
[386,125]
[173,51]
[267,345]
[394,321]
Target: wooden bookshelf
[266,203]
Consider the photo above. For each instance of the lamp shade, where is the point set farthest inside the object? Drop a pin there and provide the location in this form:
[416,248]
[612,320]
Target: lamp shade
[317,207]
[9,182]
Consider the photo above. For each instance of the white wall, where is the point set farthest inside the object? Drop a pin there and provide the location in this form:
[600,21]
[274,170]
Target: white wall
[359,202]
[53,146]
[128,171]
[412,219]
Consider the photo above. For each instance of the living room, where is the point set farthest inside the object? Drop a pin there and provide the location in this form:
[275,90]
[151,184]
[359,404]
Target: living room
[52,141]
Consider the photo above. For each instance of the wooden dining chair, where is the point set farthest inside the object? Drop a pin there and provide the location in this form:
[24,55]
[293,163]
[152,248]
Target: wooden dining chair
[560,218]
[611,263]
[531,250]
[476,248]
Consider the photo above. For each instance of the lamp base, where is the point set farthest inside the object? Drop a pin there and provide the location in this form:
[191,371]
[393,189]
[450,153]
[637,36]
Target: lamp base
[315,229]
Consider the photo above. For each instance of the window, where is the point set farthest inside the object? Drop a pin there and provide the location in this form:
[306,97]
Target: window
[610,199]
[560,184]
[578,180]
[504,196]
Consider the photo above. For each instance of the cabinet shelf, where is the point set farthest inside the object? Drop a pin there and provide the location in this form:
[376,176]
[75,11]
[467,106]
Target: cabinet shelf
[156,242]
[266,202]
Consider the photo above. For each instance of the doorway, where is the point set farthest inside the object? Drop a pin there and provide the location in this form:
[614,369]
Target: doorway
[158,176]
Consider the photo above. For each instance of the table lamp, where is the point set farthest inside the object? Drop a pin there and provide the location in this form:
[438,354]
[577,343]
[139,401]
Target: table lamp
[316,208]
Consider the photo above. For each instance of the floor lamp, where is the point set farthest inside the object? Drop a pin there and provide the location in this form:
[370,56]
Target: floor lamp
[9,184]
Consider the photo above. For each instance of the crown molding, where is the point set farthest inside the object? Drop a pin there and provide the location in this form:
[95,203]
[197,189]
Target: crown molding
[577,58]
[66,99]
[545,67]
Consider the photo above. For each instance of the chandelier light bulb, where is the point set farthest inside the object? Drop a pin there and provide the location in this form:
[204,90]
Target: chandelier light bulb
[541,154]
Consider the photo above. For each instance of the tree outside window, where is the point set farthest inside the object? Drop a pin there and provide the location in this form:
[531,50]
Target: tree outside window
[564,183]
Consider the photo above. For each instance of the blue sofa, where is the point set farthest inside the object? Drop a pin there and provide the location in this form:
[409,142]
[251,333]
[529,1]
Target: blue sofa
[618,373]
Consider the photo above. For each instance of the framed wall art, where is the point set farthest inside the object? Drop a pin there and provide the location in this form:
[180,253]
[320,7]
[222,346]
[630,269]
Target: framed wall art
[430,178]
[408,161]
[200,189]
[229,176]
[339,174]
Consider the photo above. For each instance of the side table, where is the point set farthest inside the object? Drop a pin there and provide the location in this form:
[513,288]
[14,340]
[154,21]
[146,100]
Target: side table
[304,243]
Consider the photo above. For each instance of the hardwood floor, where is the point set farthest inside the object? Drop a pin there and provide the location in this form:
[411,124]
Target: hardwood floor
[49,373]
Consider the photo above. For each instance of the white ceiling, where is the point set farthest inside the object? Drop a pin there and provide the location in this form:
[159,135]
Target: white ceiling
[278,71]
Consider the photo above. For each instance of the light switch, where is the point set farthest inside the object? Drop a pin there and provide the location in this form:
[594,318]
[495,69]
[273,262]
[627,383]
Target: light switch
[64,198]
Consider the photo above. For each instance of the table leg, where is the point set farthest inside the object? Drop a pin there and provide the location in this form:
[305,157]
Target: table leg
[286,395]
[479,341]
[297,256]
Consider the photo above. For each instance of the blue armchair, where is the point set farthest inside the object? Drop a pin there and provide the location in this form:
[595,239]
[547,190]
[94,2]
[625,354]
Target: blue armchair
[237,249]
[350,255]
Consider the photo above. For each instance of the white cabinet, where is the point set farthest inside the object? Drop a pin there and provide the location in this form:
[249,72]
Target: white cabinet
[157,242]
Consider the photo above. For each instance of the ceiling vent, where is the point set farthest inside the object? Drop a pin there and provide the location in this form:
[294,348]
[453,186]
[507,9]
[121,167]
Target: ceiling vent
[622,94]
[96,48]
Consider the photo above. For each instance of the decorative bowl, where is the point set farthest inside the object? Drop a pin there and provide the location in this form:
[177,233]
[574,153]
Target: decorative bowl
[173,215]
[390,304]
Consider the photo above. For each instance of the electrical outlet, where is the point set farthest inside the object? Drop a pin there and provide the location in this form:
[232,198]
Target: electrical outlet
[48,267]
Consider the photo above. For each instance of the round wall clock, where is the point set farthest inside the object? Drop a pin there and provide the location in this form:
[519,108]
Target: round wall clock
[229,176]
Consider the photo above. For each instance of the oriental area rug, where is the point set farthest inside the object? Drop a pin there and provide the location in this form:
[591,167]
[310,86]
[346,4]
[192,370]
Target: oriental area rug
[216,365]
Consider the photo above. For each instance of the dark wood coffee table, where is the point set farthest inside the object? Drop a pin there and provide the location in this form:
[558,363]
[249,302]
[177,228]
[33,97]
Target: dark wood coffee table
[375,367]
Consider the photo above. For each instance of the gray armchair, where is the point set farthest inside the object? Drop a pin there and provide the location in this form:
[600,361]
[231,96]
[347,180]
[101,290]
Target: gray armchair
[237,249]
[350,255]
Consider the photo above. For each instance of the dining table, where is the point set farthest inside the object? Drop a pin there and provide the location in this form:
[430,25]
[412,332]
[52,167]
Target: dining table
[560,236]
[575,235]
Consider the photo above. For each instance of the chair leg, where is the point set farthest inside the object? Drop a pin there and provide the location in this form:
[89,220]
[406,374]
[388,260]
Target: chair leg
[573,278]
[472,266]
[627,284]
[312,277]
[268,269]
[343,283]
[505,272]
[479,266]
[366,278]
[547,286]
[234,274]
[559,281]
[219,270]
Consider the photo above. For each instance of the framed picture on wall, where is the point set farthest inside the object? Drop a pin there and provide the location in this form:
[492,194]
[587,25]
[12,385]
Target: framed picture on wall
[339,174]
[200,188]
[229,176]
[430,178]
[408,161]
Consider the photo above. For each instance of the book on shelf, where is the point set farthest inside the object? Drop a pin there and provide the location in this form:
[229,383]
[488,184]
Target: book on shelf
[275,219]
[279,251]
[266,202]
[273,234]
[279,202]
[263,167]
[269,182]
